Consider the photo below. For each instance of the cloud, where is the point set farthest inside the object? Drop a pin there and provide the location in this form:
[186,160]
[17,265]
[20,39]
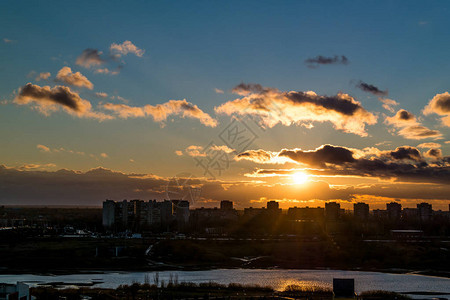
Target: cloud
[161,112]
[46,149]
[43,148]
[179,153]
[324,60]
[388,104]
[9,41]
[222,148]
[404,164]
[107,71]
[126,47]
[440,105]
[42,76]
[195,151]
[77,79]
[371,89]
[90,58]
[101,95]
[200,151]
[218,91]
[429,145]
[434,153]
[408,127]
[406,152]
[28,167]
[272,106]
[47,100]
[61,150]
[419,132]
[320,156]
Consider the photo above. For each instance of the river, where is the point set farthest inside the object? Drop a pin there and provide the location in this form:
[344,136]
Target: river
[276,278]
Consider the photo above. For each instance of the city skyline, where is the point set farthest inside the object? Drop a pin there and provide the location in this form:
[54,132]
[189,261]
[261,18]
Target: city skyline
[251,102]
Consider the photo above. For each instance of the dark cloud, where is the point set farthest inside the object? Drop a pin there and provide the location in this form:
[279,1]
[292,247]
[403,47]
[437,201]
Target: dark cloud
[90,58]
[47,100]
[440,105]
[59,95]
[371,89]
[406,152]
[324,60]
[320,156]
[402,164]
[405,115]
[434,153]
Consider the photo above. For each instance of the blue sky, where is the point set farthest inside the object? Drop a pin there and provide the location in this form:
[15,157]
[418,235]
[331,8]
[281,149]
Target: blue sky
[194,47]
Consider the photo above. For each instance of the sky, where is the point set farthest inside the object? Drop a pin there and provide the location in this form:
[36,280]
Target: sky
[300,102]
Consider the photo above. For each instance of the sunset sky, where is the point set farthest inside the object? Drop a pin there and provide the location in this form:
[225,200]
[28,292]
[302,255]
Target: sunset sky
[296,101]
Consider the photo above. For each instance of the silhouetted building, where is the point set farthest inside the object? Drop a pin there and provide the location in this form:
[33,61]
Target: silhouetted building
[425,211]
[394,210]
[108,213]
[306,213]
[181,211]
[136,214]
[332,211]
[273,208]
[380,213]
[361,210]
[226,205]
[410,213]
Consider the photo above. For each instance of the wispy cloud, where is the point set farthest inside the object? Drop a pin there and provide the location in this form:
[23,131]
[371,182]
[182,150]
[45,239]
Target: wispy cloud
[326,60]
[218,91]
[369,88]
[161,112]
[101,95]
[429,145]
[43,76]
[107,71]
[388,104]
[62,150]
[90,58]
[9,41]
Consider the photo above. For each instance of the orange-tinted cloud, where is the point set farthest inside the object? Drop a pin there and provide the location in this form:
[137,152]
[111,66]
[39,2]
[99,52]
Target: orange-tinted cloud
[440,104]
[77,79]
[42,76]
[161,112]
[272,106]
[126,47]
[408,126]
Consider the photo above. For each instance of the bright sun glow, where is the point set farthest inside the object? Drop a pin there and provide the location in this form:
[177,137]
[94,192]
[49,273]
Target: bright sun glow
[300,177]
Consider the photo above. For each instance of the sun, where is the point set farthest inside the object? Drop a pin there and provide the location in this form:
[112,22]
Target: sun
[300,177]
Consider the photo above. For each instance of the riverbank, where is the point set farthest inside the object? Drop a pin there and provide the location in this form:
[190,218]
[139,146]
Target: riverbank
[76,256]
